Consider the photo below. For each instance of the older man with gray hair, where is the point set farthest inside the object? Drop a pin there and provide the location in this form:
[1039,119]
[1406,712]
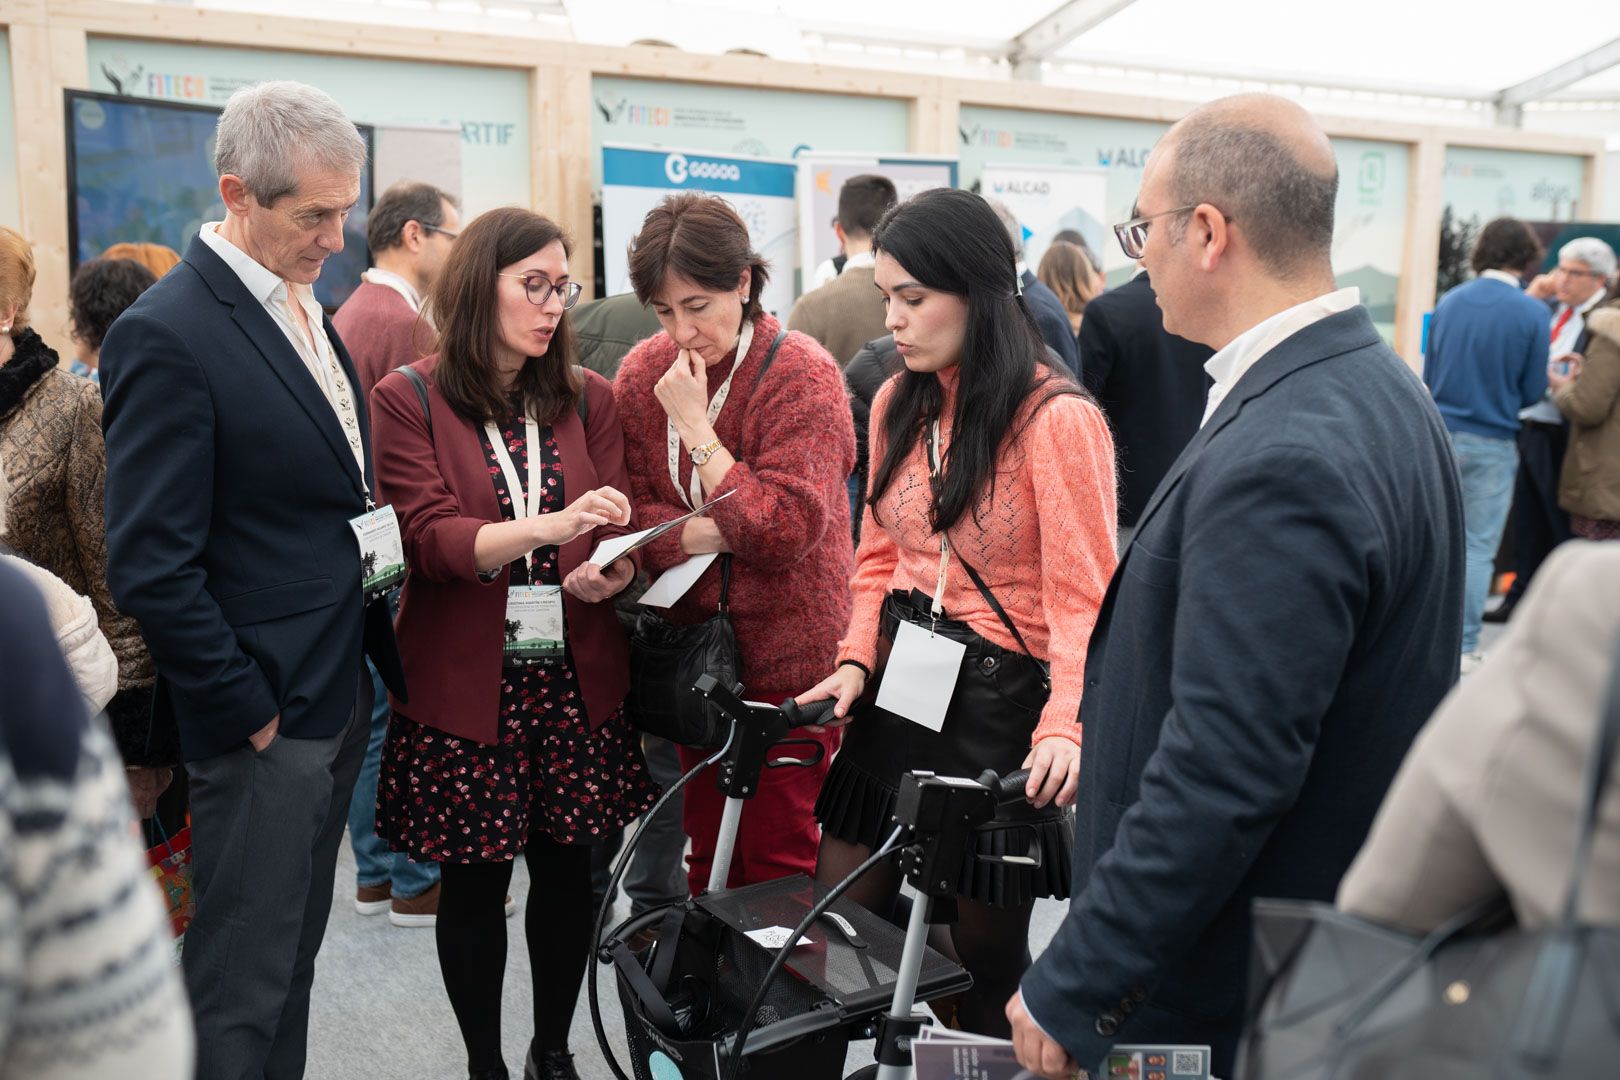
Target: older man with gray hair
[1537,524]
[239,518]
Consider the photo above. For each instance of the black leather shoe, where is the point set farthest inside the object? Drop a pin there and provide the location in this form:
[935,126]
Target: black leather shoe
[549,1065]
[1501,613]
[499,1073]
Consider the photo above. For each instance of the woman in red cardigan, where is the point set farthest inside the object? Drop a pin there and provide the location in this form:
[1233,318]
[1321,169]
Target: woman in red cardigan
[703,419]
[986,460]
[513,739]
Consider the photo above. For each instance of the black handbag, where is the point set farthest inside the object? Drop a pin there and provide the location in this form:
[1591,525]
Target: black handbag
[665,660]
[1333,996]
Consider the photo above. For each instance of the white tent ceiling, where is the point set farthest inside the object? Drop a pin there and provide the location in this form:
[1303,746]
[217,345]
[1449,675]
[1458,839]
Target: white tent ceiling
[1442,48]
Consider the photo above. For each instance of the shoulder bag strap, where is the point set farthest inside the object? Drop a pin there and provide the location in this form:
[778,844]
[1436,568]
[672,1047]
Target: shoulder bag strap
[420,385]
[978,582]
[725,556]
[1540,1033]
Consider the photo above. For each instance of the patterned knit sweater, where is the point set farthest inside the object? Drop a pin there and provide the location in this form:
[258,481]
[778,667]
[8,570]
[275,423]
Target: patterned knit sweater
[88,986]
[1042,539]
[788,522]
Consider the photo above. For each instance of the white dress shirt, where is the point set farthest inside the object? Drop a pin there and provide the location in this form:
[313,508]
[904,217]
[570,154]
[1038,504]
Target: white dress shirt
[314,348]
[1250,347]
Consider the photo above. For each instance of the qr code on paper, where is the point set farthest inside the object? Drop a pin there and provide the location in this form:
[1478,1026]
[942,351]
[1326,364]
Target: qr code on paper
[1186,1063]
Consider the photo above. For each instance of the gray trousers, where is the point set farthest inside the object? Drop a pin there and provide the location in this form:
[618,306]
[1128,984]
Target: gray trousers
[265,833]
[657,874]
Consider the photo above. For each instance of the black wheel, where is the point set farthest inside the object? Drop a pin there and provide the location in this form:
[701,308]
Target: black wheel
[868,1073]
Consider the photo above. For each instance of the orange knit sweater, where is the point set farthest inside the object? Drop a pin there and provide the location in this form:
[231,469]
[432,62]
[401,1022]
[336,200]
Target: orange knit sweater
[1042,540]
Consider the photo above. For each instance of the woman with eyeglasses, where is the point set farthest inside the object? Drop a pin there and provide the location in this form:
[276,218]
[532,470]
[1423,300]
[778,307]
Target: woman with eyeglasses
[505,464]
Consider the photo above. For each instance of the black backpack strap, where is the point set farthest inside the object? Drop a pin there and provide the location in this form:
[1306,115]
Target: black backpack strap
[582,405]
[1001,613]
[420,385]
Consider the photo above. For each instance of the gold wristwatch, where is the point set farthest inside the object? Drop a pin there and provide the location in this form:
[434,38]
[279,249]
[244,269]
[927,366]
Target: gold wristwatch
[700,455]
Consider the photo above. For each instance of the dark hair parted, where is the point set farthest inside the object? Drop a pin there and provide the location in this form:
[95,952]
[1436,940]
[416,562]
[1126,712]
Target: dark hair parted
[862,202]
[404,202]
[465,306]
[952,241]
[1283,206]
[1506,244]
[101,290]
[701,238]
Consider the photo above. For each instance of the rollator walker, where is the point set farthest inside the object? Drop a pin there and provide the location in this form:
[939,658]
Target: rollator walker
[707,1001]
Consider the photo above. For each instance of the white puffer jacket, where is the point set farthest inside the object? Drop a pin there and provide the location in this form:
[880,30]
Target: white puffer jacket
[73,617]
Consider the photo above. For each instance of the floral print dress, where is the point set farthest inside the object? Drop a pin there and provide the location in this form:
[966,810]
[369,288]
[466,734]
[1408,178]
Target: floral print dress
[443,798]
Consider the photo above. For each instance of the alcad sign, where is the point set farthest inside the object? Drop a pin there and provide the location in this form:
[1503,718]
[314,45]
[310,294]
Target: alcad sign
[686,170]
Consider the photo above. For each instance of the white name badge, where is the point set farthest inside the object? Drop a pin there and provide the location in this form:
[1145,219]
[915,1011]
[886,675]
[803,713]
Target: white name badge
[920,677]
[382,552]
[534,625]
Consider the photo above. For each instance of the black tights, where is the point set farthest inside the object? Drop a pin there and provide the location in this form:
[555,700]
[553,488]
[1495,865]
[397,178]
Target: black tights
[471,935]
[991,942]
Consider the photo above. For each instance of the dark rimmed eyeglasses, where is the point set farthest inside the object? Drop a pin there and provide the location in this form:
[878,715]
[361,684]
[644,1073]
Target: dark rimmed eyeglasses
[441,232]
[539,290]
[1133,234]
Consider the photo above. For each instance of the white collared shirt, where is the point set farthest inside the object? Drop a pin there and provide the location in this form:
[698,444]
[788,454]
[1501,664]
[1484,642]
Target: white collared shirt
[1250,347]
[1504,277]
[855,262]
[390,280]
[315,350]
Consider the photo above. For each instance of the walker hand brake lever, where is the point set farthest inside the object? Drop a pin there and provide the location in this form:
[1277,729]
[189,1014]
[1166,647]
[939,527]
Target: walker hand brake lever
[849,930]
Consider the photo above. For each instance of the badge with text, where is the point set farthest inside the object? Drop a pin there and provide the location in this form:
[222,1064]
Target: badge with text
[382,552]
[534,625]
[920,677]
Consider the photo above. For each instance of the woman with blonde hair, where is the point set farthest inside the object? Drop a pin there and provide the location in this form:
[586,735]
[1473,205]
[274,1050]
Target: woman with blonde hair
[155,257]
[1067,272]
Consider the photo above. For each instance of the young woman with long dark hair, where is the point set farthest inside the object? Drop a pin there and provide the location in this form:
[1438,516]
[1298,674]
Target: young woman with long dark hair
[504,482]
[990,522]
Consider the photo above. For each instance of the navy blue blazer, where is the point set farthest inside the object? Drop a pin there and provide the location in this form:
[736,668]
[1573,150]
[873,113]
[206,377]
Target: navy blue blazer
[1051,320]
[229,491]
[1287,617]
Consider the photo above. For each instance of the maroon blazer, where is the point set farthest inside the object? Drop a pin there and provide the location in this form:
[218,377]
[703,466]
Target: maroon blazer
[451,622]
[381,332]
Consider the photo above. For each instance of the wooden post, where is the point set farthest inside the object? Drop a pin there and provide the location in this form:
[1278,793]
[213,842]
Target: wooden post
[1420,259]
[44,61]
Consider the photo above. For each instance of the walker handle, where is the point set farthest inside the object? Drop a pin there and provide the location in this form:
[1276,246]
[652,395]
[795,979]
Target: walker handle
[1009,788]
[815,712]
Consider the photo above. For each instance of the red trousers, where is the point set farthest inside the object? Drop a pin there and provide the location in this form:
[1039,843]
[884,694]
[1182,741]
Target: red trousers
[778,834]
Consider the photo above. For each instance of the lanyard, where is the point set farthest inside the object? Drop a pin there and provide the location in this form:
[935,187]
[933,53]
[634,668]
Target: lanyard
[329,377]
[520,508]
[693,496]
[944,543]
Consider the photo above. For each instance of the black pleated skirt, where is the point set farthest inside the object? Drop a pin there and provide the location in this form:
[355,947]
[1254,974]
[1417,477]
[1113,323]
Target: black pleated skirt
[998,701]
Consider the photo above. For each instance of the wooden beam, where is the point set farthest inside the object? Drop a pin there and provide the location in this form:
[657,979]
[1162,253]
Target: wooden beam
[44,60]
[1420,256]
[561,148]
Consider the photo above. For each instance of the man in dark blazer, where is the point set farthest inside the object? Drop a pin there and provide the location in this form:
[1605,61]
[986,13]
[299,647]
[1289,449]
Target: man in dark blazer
[1283,623]
[1151,384]
[237,455]
[1042,303]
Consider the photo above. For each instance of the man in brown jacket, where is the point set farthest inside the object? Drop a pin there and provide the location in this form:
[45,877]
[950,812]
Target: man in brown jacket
[1589,398]
[847,312]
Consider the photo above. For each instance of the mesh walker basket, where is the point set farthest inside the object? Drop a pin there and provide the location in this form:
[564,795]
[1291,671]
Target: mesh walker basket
[683,998]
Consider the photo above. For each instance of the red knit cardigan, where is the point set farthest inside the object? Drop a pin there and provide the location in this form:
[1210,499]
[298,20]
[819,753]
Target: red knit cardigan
[450,623]
[788,523]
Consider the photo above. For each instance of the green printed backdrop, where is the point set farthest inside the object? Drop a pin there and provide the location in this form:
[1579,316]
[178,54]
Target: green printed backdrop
[1480,185]
[489,105]
[10,211]
[732,120]
[1371,210]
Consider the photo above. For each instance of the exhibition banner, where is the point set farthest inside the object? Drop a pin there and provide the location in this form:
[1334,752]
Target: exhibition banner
[1481,185]
[1047,199]
[635,179]
[487,106]
[822,176]
[758,122]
